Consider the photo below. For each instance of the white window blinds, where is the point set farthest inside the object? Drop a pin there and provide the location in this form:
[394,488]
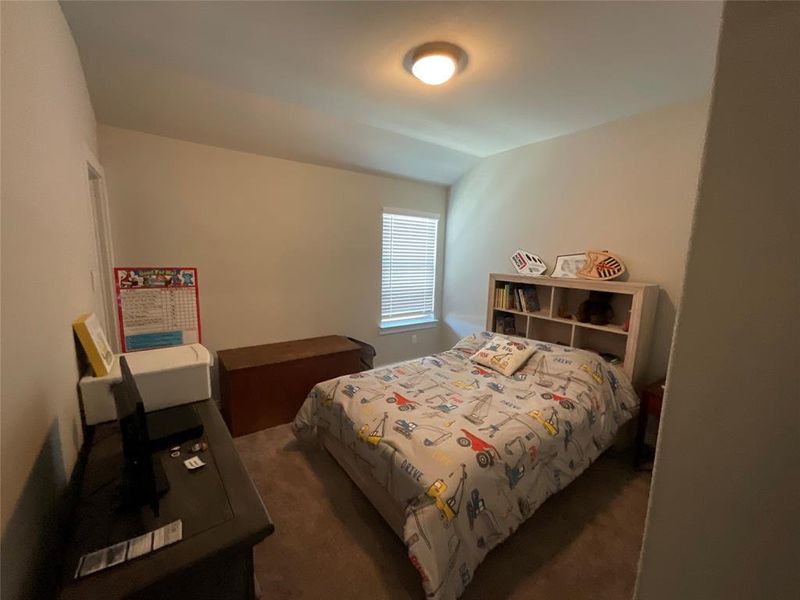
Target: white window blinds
[408,282]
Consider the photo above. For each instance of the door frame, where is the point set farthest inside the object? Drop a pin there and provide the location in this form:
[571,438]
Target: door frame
[97,197]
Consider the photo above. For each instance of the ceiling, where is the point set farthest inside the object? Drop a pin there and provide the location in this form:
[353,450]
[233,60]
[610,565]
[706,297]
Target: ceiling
[323,82]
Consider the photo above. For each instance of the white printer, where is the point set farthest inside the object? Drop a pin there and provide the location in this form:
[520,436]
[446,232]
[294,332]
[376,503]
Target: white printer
[165,377]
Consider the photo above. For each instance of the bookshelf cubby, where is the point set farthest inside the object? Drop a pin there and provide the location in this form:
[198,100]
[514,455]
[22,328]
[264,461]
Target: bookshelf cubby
[555,322]
[549,330]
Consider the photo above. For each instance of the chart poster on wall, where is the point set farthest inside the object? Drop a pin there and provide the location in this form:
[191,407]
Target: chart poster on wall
[157,306]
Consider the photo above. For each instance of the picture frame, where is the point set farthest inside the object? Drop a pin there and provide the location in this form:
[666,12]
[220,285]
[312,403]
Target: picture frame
[95,344]
[568,265]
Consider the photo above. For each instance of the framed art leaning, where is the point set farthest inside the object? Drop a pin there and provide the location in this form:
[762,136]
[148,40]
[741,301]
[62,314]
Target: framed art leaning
[568,265]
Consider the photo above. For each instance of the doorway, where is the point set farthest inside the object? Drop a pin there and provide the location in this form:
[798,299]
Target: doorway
[103,263]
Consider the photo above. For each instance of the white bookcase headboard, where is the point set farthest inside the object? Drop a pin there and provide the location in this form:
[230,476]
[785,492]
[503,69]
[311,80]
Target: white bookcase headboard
[555,321]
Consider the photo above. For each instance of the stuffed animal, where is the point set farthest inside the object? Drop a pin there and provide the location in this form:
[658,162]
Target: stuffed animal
[597,309]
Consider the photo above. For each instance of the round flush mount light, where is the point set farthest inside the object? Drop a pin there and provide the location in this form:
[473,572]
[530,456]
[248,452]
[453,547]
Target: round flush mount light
[435,63]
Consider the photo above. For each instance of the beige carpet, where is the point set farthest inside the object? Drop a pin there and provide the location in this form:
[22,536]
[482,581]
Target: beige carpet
[329,541]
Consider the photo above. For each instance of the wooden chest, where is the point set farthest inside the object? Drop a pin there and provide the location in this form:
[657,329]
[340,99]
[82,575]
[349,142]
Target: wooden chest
[263,386]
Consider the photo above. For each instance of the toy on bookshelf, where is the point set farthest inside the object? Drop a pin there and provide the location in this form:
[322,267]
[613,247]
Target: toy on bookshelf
[597,309]
[601,264]
[505,325]
[527,263]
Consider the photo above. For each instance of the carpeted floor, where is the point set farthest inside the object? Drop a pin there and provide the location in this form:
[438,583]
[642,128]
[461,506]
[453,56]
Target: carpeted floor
[329,541]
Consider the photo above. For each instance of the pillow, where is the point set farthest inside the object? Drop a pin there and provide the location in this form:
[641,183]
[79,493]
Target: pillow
[470,344]
[503,355]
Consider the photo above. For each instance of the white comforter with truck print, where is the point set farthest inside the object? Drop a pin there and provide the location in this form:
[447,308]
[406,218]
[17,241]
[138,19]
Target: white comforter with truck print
[470,453]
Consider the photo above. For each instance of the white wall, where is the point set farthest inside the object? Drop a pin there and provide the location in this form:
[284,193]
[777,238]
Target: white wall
[723,519]
[626,186]
[284,250]
[47,127]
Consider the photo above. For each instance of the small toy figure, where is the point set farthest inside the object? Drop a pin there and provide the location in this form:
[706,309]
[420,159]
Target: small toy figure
[597,309]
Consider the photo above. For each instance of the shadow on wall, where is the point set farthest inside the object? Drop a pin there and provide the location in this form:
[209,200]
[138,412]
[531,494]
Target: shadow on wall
[663,328]
[31,537]
[455,327]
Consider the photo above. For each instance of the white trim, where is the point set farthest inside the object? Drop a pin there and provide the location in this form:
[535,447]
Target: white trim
[105,250]
[412,213]
[387,328]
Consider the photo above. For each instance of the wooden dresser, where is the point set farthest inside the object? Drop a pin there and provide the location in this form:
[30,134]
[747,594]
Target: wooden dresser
[222,514]
[263,386]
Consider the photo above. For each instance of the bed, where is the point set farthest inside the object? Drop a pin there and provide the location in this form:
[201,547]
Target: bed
[456,456]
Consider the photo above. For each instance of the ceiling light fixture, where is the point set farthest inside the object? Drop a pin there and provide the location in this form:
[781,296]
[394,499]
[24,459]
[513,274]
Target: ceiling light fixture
[435,63]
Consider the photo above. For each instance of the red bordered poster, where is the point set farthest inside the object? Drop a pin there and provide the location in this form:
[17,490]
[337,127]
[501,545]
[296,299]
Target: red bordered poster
[157,307]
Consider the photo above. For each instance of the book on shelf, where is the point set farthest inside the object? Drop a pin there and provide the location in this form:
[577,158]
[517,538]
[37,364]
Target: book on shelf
[520,300]
[531,299]
[523,299]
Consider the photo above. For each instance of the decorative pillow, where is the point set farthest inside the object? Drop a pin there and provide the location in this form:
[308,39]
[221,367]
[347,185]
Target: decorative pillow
[503,355]
[469,345]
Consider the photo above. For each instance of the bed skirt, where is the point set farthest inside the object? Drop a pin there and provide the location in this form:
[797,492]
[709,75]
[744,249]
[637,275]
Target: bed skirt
[389,509]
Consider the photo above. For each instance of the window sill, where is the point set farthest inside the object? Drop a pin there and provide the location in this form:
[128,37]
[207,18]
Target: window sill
[407,325]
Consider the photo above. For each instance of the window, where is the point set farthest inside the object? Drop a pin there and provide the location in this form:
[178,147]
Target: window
[408,280]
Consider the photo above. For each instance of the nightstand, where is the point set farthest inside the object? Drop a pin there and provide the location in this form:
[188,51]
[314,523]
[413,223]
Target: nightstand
[652,397]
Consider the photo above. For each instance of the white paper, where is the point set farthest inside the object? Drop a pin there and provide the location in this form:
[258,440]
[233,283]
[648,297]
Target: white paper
[116,554]
[101,343]
[139,546]
[92,562]
[129,549]
[158,538]
[168,534]
[194,462]
[173,532]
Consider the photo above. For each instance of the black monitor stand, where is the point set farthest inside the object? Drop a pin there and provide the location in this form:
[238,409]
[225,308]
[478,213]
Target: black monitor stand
[143,477]
[134,496]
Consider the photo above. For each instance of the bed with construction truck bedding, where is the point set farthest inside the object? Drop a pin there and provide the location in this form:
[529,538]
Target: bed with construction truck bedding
[456,456]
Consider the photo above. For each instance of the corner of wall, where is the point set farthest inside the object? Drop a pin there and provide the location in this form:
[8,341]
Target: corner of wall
[47,248]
